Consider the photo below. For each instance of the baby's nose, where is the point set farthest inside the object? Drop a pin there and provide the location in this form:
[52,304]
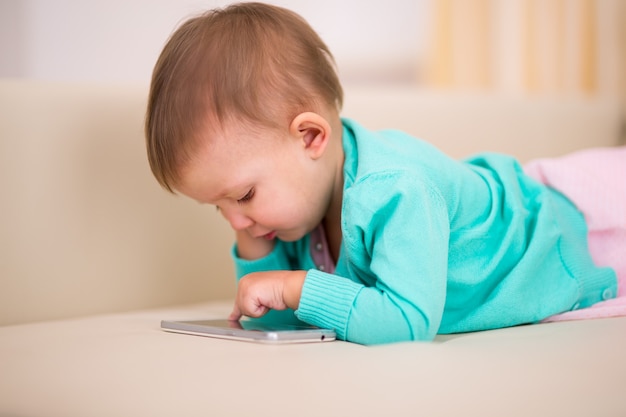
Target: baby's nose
[239,221]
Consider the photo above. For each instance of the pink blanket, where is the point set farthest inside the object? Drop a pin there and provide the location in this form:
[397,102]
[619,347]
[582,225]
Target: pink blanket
[610,308]
[595,180]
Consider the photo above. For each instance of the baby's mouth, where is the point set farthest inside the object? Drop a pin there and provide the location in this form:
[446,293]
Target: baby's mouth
[270,235]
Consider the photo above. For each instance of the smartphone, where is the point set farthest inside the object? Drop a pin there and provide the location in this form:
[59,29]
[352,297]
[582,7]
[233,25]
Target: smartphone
[251,331]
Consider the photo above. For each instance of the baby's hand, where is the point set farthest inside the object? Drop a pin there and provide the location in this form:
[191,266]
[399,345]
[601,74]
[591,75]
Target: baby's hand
[259,292]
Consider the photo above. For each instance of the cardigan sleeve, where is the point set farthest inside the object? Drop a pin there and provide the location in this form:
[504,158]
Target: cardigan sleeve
[396,230]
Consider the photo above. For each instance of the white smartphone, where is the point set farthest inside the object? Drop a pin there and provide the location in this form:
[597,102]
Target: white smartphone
[250,331]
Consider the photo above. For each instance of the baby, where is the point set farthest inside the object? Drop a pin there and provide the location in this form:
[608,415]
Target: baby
[377,235]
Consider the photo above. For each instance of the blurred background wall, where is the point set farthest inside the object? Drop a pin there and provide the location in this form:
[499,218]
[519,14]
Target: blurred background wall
[119,40]
[569,47]
[533,46]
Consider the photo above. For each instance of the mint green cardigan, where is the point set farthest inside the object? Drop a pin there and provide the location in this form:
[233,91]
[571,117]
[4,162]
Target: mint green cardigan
[434,245]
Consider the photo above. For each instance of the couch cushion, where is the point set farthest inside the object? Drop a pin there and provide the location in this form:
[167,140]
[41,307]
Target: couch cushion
[124,365]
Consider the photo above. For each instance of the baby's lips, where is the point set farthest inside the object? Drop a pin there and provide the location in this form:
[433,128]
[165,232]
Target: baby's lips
[269,236]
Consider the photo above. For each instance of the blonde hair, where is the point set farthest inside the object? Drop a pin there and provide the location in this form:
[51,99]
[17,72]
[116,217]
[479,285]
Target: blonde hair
[249,62]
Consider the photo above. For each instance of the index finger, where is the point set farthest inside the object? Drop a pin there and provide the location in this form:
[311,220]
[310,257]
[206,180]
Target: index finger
[235,315]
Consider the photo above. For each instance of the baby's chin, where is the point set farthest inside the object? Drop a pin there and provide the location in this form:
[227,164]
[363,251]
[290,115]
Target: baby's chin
[292,236]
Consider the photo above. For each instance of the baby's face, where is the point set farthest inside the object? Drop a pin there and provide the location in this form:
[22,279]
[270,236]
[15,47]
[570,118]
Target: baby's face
[264,183]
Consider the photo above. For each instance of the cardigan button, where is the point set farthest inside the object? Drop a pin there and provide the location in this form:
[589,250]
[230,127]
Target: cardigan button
[319,247]
[321,268]
[607,294]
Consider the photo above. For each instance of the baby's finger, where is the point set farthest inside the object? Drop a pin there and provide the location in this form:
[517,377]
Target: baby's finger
[235,315]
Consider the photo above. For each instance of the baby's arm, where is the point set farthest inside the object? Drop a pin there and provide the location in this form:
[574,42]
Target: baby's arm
[259,292]
[395,236]
[251,248]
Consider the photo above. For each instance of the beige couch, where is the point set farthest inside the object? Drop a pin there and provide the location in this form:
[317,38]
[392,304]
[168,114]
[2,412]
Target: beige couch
[93,254]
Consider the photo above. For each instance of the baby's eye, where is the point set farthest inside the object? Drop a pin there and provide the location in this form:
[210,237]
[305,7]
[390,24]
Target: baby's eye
[246,197]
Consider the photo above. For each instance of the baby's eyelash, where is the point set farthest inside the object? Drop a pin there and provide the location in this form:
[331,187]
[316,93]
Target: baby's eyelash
[246,197]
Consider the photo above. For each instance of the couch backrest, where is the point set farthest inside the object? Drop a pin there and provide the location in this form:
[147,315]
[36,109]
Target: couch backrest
[465,123]
[84,228]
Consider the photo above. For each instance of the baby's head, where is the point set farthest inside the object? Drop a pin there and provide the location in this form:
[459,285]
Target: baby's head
[248,64]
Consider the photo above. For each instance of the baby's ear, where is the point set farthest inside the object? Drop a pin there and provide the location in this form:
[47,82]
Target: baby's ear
[313,131]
